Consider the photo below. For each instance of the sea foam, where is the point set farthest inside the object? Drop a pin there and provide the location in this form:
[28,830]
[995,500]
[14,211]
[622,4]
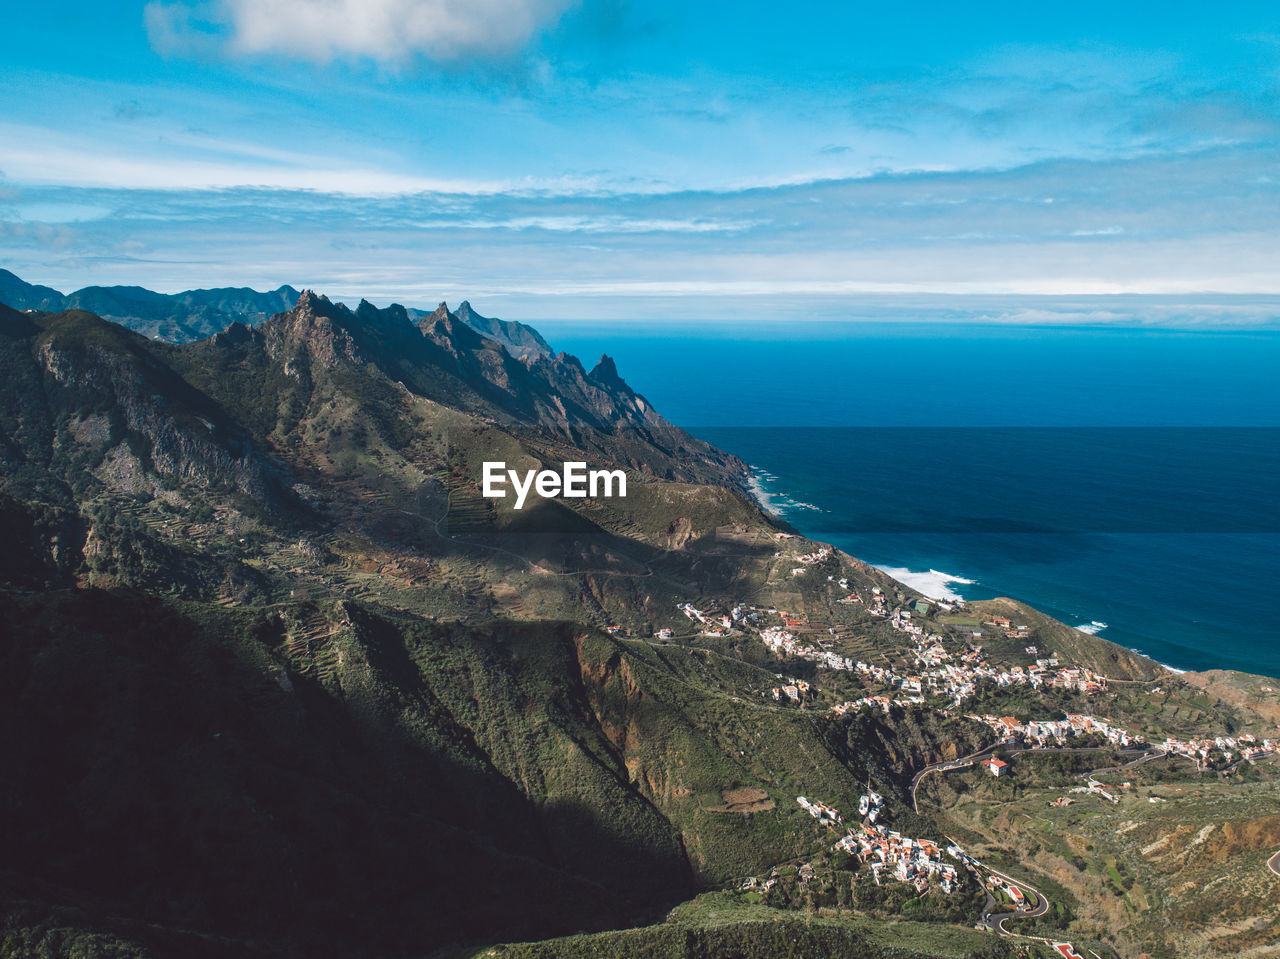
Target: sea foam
[932,583]
[771,501]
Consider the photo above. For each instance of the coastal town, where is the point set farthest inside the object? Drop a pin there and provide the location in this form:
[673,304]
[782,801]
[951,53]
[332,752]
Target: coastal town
[949,657]
[938,672]
[956,677]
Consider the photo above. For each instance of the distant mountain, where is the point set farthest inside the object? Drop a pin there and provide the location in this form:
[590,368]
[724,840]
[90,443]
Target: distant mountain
[519,339]
[195,314]
[173,317]
[17,293]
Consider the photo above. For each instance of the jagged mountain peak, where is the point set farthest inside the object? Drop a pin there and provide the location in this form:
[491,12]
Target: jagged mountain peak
[571,361]
[605,372]
[442,313]
[310,300]
[521,341]
[391,314]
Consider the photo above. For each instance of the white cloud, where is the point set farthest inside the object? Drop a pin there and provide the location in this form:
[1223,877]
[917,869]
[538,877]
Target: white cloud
[381,30]
[610,224]
[34,155]
[1101,231]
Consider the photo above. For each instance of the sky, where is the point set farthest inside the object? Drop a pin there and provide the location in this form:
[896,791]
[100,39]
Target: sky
[609,158]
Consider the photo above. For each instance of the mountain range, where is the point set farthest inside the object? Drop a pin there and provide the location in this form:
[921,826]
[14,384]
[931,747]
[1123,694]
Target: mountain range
[278,680]
[196,314]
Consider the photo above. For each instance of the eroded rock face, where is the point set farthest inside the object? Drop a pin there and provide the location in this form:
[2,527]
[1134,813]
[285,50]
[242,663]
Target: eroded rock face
[680,532]
[189,452]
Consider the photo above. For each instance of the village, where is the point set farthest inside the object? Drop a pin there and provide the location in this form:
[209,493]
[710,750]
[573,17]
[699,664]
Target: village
[943,676]
[915,861]
[778,638]
[953,677]
[891,856]
[943,672]
[1046,733]
[888,854]
[919,863]
[939,673]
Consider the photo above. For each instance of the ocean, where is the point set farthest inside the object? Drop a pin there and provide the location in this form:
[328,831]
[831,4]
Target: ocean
[1124,481]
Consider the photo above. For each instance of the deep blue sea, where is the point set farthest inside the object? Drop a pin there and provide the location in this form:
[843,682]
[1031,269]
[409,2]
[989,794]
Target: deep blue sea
[1126,481]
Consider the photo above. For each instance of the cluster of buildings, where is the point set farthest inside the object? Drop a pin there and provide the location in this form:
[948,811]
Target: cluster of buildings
[812,559]
[817,556]
[901,619]
[753,884]
[893,855]
[958,679]
[884,703]
[796,690]
[781,640]
[1232,748]
[889,854]
[942,673]
[825,814]
[1050,732]
[714,624]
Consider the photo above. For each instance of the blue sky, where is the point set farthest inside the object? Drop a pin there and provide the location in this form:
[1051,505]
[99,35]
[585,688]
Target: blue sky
[607,158]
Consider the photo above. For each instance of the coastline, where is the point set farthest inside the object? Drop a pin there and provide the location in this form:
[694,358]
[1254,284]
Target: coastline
[932,583]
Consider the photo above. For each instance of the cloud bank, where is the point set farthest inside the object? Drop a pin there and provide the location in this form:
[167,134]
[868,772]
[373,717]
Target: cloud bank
[386,31]
[1178,226]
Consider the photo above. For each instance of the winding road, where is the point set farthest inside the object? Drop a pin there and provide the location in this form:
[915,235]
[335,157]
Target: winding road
[964,762]
[995,921]
[1153,752]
